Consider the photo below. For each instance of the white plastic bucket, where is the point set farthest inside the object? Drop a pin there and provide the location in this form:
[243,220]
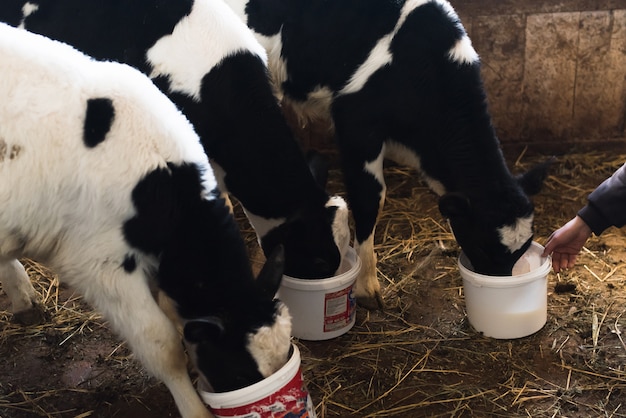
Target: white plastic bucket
[507,307]
[322,308]
[281,394]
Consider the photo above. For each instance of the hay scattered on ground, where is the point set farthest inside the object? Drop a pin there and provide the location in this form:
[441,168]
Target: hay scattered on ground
[420,356]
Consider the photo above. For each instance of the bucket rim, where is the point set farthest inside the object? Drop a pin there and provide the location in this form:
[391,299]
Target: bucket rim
[258,390]
[505,281]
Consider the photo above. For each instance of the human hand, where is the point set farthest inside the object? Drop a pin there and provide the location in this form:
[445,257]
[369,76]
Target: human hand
[566,242]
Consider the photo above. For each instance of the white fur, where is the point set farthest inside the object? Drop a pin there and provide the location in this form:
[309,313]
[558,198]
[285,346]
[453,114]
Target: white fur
[380,54]
[272,45]
[266,344]
[27,10]
[199,42]
[515,236]
[367,283]
[375,167]
[407,157]
[64,204]
[340,232]
[378,57]
[315,107]
[318,103]
[20,290]
[262,225]
[463,52]
[239,7]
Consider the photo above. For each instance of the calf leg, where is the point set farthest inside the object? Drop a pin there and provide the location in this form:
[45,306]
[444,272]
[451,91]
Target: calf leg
[168,306]
[24,301]
[229,204]
[366,195]
[126,302]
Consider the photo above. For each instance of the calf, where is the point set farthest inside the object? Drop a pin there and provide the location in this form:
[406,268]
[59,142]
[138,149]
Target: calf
[208,63]
[400,80]
[103,180]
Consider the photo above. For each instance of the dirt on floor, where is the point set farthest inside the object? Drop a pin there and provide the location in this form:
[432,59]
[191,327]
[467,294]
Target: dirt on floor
[418,357]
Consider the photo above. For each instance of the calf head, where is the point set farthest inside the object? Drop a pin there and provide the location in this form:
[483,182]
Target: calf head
[238,347]
[495,228]
[316,237]
[315,240]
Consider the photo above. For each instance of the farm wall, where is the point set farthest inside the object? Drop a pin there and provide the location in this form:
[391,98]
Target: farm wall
[554,71]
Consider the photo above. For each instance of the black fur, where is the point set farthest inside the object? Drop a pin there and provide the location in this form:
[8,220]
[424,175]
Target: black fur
[98,120]
[129,263]
[103,29]
[432,105]
[237,117]
[196,241]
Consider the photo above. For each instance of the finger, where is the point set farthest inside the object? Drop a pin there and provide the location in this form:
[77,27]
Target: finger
[556,262]
[549,246]
[571,262]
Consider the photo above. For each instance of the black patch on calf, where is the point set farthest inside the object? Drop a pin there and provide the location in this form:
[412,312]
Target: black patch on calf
[117,30]
[12,11]
[197,240]
[204,267]
[306,256]
[129,263]
[98,120]
[427,34]
[150,228]
[266,16]
[433,105]
[221,351]
[236,90]
[324,42]
[265,168]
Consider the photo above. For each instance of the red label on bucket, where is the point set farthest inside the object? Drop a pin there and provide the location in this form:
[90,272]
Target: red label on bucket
[291,401]
[339,309]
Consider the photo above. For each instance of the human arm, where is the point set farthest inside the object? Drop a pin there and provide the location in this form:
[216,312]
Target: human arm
[606,207]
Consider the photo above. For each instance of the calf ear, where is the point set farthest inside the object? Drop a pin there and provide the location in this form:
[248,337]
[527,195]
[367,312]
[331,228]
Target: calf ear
[203,329]
[453,205]
[532,180]
[318,165]
[272,272]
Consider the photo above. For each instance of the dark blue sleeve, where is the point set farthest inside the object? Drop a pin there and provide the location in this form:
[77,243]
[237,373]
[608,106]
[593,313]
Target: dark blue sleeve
[607,203]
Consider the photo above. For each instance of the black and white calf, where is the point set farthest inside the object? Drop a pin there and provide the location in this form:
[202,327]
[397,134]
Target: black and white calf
[400,79]
[209,64]
[105,181]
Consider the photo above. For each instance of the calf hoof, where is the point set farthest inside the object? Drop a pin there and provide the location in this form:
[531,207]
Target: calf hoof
[36,315]
[371,303]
